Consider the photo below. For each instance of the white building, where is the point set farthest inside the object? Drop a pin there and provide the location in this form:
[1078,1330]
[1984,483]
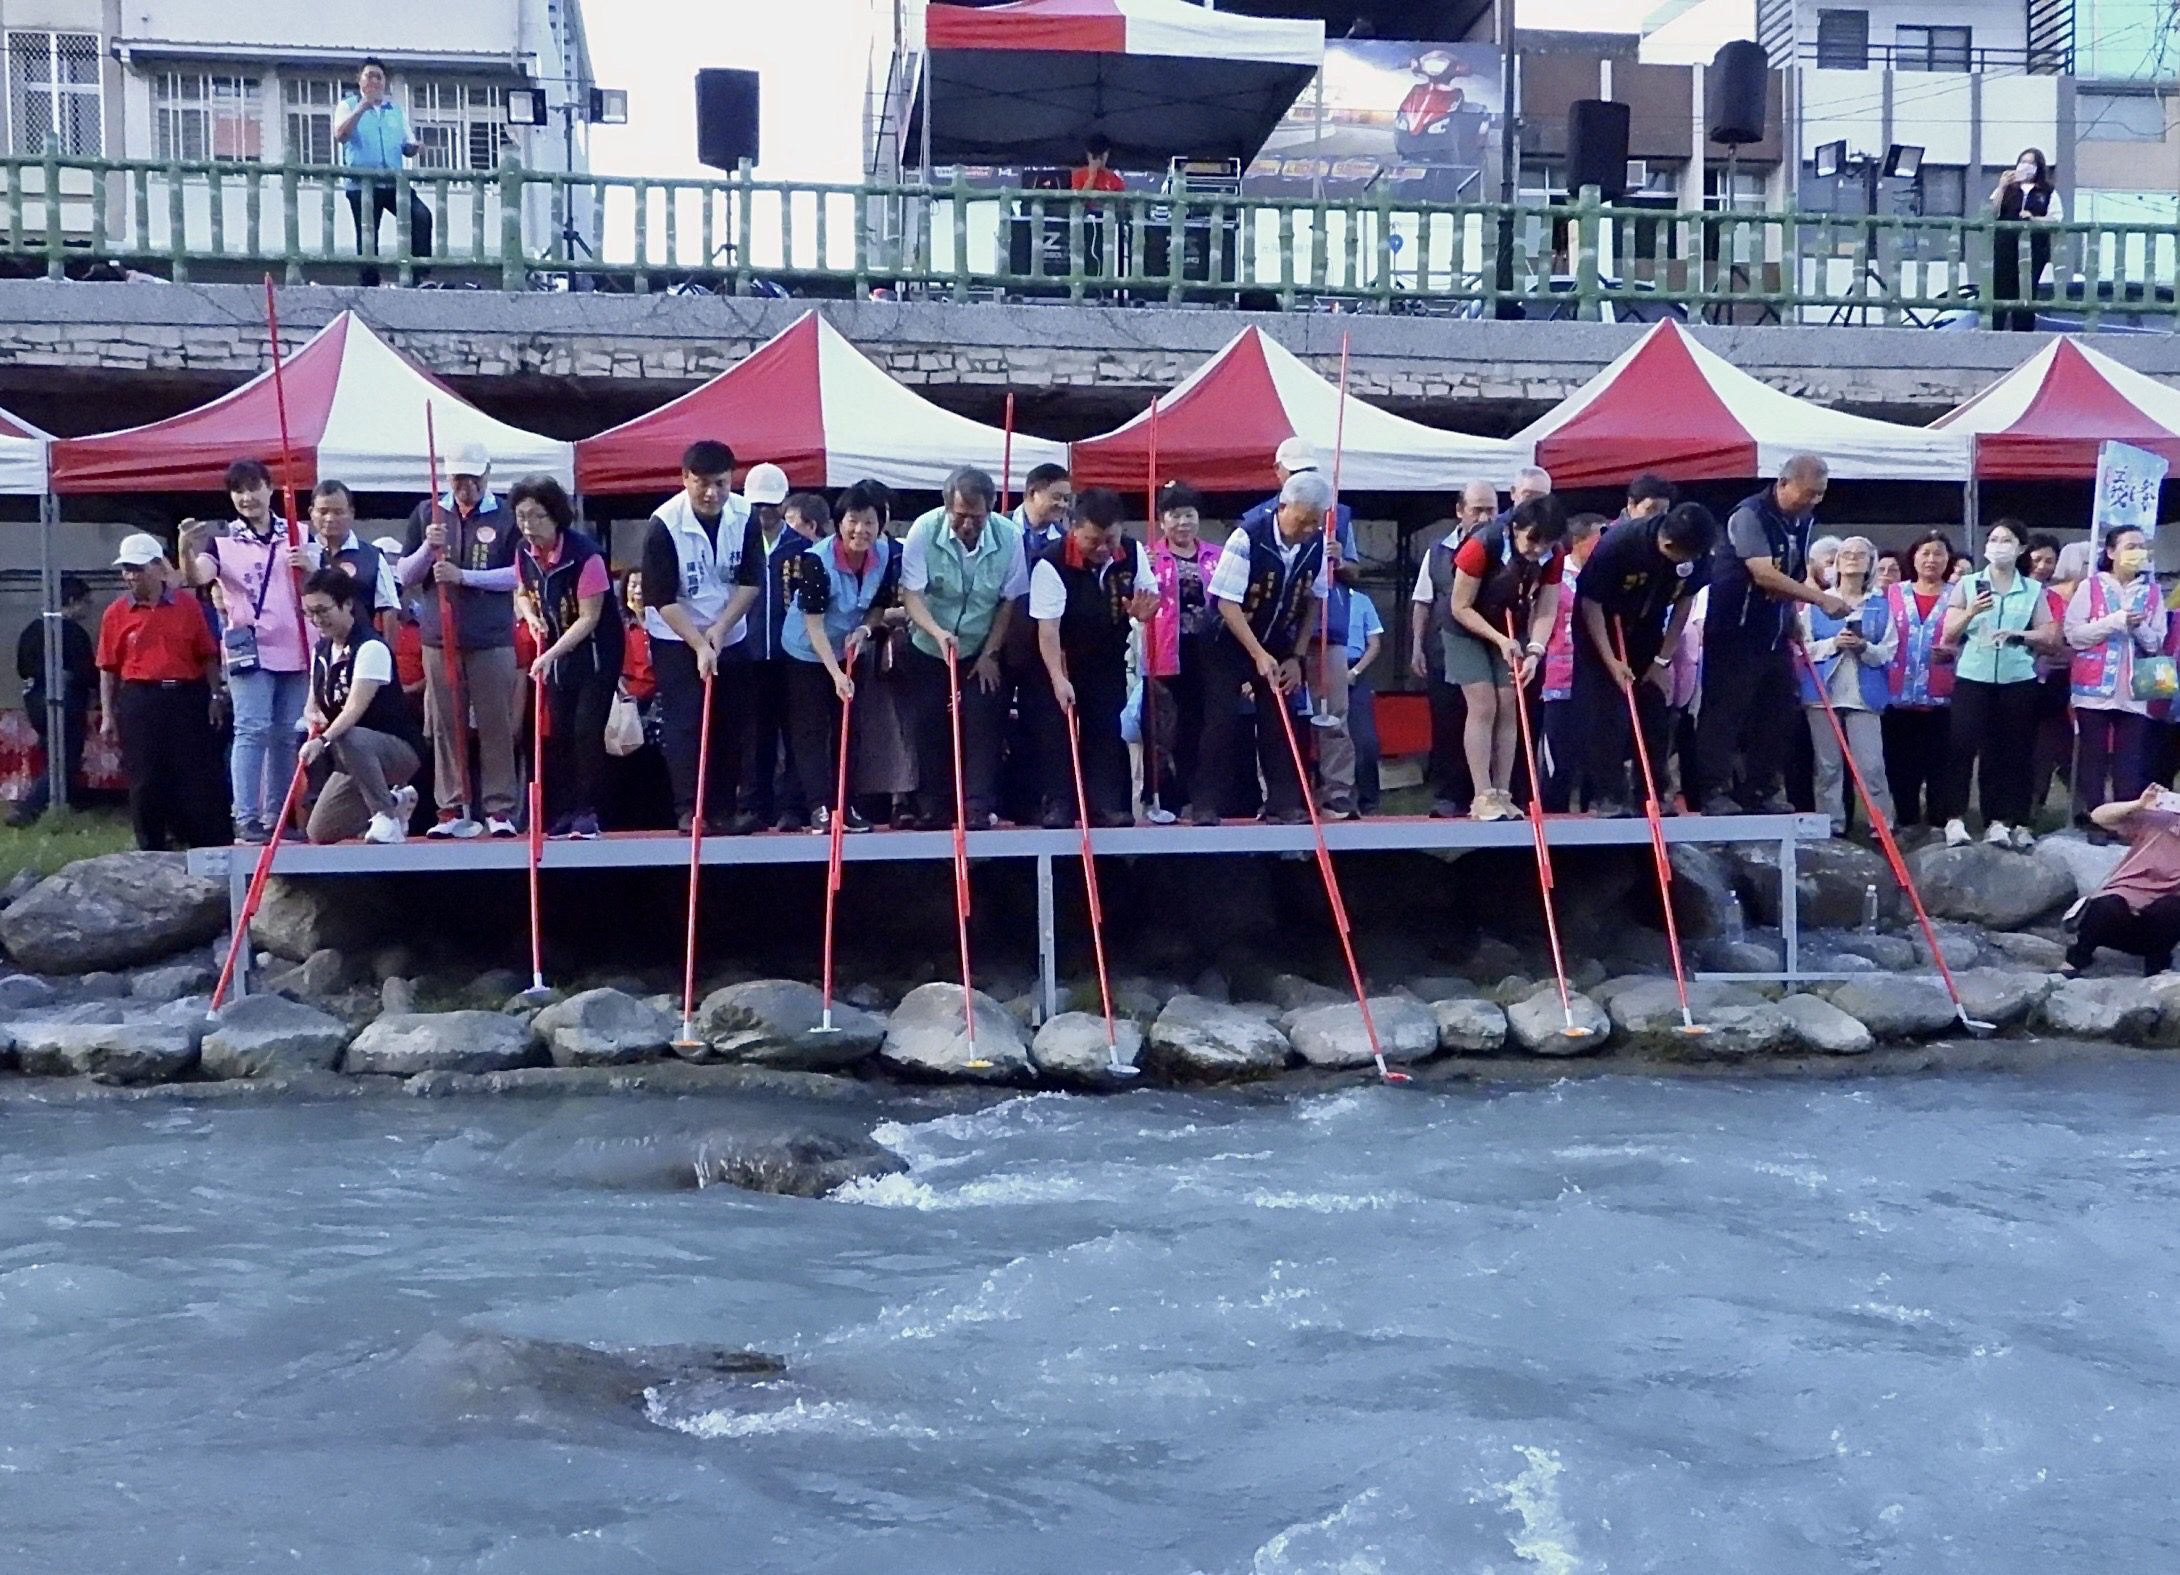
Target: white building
[260,80]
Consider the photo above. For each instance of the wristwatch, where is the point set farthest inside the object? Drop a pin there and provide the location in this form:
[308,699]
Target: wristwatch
[1535,648]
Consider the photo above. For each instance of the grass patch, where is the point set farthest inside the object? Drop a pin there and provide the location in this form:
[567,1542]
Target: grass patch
[61,837]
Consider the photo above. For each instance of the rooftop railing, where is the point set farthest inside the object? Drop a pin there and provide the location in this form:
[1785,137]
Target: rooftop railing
[517,229]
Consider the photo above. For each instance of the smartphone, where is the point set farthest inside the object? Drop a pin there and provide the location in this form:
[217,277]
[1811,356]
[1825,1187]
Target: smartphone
[1853,625]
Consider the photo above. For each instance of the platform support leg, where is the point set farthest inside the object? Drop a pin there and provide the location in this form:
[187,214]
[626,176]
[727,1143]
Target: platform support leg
[1048,943]
[1790,907]
[238,893]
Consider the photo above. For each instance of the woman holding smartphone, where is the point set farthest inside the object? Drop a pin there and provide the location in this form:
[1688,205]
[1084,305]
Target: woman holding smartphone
[1998,621]
[1850,655]
[2113,617]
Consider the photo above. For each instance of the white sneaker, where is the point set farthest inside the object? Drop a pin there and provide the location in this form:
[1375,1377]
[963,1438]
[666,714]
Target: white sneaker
[1998,834]
[1956,833]
[385,828]
[1485,806]
[500,826]
[405,804]
[2023,838]
[460,827]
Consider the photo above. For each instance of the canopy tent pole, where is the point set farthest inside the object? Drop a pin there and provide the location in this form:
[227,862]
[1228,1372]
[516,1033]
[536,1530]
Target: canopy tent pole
[50,616]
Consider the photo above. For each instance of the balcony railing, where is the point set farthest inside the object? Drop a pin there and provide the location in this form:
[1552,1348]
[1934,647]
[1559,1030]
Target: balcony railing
[956,241]
[1938,55]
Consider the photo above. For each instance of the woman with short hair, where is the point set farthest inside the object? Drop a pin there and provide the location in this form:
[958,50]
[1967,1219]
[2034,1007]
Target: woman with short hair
[2114,618]
[566,583]
[1505,599]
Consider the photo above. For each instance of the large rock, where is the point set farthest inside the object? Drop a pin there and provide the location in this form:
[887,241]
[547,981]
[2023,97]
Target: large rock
[1469,1026]
[1734,1022]
[1195,1040]
[1703,894]
[1989,886]
[22,992]
[1539,1026]
[1750,954]
[2036,953]
[470,1041]
[776,1022]
[1333,1036]
[1891,953]
[1816,1025]
[791,1164]
[270,1035]
[114,911]
[1895,1008]
[603,1028]
[2127,1010]
[298,916]
[925,1037]
[2087,864]
[1071,1047]
[1297,994]
[138,1052]
[172,981]
[2002,997]
[1833,877]
[2166,987]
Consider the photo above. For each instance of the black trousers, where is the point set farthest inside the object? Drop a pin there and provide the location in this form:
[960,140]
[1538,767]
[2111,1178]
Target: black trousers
[981,723]
[1750,715]
[765,742]
[1226,668]
[1101,694]
[575,747]
[2112,759]
[2006,278]
[681,712]
[1173,721]
[177,778]
[1449,762]
[2053,755]
[2149,933]
[1991,736]
[813,734]
[74,720]
[382,202]
[1027,717]
[1918,742]
[1599,713]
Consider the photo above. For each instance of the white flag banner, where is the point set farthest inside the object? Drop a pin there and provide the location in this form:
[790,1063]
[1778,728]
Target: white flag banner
[2129,480]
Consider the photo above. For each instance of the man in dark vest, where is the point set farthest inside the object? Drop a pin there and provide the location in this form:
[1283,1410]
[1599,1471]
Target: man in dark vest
[333,539]
[1084,598]
[1750,702]
[362,751]
[1430,616]
[1048,497]
[1268,588]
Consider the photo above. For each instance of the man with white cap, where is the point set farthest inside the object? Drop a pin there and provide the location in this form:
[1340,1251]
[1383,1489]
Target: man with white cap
[764,583]
[464,542]
[158,669]
[1325,672]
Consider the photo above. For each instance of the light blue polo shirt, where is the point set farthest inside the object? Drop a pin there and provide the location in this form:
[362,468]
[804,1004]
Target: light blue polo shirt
[376,140]
[849,599]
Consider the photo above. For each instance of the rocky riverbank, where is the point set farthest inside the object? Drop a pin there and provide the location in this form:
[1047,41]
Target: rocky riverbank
[118,956]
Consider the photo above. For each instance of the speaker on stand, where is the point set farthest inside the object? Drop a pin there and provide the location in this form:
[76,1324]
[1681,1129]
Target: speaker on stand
[1737,109]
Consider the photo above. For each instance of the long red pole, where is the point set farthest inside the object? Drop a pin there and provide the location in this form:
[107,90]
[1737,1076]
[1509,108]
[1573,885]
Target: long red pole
[537,830]
[450,655]
[288,809]
[287,461]
[1572,1029]
[1006,458]
[832,855]
[688,1039]
[961,847]
[1090,876]
[1332,529]
[1150,634]
[1656,815]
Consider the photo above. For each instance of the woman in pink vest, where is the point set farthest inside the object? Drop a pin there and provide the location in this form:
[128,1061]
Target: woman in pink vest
[1916,725]
[2114,616]
[1173,692]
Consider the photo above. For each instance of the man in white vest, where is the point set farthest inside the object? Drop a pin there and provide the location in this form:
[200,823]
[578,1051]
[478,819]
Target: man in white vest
[690,555]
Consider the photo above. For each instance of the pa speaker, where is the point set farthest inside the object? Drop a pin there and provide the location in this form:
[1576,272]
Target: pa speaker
[726,117]
[1737,93]
[1597,147]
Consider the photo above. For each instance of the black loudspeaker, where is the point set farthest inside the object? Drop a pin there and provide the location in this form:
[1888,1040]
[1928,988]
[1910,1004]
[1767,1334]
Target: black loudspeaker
[1737,93]
[1597,147]
[726,117]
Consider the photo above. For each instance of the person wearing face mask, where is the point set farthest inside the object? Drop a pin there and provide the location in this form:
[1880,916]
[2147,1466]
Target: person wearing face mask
[1917,719]
[1998,621]
[1429,620]
[1850,656]
[2054,689]
[2024,195]
[2113,617]
[1182,563]
[1505,600]
[1639,588]
[1823,555]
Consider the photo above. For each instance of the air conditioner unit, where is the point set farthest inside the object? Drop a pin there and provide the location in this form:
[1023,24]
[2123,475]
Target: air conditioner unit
[1638,175]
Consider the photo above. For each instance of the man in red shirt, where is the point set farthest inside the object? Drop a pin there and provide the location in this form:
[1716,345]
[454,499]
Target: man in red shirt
[1094,173]
[157,667]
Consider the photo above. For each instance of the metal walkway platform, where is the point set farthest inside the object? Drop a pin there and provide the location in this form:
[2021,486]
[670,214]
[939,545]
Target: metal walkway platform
[664,850]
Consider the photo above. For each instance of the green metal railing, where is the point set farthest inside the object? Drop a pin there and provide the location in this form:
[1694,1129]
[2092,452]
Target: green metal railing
[521,229]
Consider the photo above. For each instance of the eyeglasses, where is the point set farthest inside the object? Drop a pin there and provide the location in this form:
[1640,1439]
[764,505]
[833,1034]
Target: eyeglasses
[317,612]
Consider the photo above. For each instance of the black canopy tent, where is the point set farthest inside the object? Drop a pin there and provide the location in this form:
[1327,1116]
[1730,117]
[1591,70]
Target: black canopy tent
[1026,83]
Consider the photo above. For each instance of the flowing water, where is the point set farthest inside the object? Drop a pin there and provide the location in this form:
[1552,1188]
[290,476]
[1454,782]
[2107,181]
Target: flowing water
[1915,1325]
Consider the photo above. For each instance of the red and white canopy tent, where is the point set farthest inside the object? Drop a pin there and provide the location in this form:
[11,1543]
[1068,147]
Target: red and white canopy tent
[355,415]
[2045,420]
[1025,83]
[1217,431]
[811,403]
[22,458]
[1672,406]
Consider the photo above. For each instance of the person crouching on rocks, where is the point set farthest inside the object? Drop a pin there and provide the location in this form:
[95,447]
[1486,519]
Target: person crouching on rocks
[2138,908]
[362,744]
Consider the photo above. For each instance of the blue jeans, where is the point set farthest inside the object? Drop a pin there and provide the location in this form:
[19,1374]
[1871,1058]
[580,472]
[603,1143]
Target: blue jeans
[267,708]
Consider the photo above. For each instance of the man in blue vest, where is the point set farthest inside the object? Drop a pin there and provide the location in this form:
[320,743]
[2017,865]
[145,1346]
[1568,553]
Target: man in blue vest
[1326,674]
[1749,697]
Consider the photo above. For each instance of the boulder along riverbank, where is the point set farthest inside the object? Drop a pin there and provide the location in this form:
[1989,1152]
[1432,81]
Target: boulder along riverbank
[371,985]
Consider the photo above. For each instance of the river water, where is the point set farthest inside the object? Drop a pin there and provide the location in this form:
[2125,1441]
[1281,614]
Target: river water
[1916,1325]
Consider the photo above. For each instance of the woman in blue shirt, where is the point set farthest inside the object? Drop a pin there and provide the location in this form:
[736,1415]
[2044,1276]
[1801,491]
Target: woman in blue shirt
[842,586]
[1999,621]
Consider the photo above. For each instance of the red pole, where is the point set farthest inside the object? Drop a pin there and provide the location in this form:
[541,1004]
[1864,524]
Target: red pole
[1006,457]
[1656,815]
[537,829]
[288,808]
[832,855]
[1544,852]
[1332,529]
[287,462]
[961,848]
[688,1039]
[450,656]
[1090,875]
[1150,635]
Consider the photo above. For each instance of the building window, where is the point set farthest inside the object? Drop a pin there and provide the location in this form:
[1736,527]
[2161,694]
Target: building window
[1932,48]
[2119,117]
[310,106]
[208,115]
[53,91]
[1843,40]
[459,125]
